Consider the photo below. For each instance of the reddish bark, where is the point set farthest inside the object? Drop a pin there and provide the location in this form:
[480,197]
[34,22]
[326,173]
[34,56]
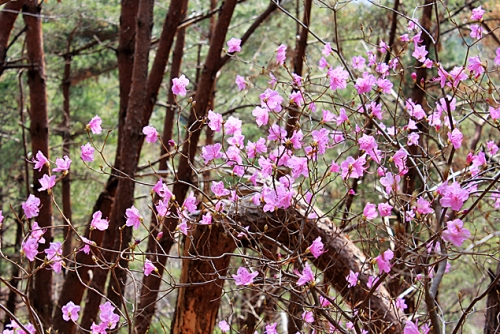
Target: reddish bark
[492,324]
[7,19]
[77,279]
[39,131]
[198,305]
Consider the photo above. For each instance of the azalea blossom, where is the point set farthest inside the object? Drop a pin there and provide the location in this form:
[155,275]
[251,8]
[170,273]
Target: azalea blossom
[240,82]
[477,14]
[456,233]
[383,261]
[316,247]
[224,326]
[70,311]
[40,161]
[99,223]
[87,154]
[384,209]
[31,206]
[454,196]
[133,217]
[62,164]
[218,189]
[179,85]
[151,134]
[47,182]
[370,211]
[281,54]
[455,137]
[149,267]
[244,277]
[308,317]
[271,329]
[352,279]
[211,152]
[306,276]
[234,45]
[95,125]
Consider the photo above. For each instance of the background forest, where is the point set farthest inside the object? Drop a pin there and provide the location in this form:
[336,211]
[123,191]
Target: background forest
[325,201]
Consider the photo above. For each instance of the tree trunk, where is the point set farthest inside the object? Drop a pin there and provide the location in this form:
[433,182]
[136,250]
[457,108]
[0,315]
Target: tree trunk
[198,305]
[77,279]
[8,17]
[39,131]
[341,256]
[492,323]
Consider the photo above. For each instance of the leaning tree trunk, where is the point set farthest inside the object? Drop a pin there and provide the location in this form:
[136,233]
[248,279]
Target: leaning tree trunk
[39,132]
[8,17]
[492,323]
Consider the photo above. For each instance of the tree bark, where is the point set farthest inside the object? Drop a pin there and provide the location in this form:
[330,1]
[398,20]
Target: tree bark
[341,256]
[39,131]
[492,324]
[78,278]
[7,19]
[198,305]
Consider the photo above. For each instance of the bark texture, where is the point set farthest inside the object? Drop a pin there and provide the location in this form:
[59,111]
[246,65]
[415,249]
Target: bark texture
[39,131]
[7,19]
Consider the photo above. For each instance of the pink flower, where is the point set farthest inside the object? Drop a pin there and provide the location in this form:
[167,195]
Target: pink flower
[232,126]
[133,217]
[256,148]
[399,159]
[54,254]
[214,121]
[415,109]
[298,166]
[240,82]
[206,219]
[31,206]
[108,316]
[497,58]
[149,267]
[211,152]
[47,182]
[477,14]
[411,328]
[70,311]
[95,125]
[234,45]
[413,138]
[342,117]
[400,304]
[40,161]
[190,203]
[423,207]
[454,197]
[308,317]
[365,84]
[316,247]
[281,54]
[179,85]
[271,100]
[353,168]
[271,329]
[244,277]
[358,62]
[1,218]
[99,223]
[261,115]
[384,209]
[383,261]
[475,66]
[87,154]
[322,63]
[218,189]
[456,233]
[306,276]
[30,248]
[384,85]
[324,302]
[224,326]
[476,31]
[297,98]
[151,134]
[352,279]
[327,50]
[183,227]
[420,53]
[367,143]
[62,164]
[370,211]
[371,281]
[338,78]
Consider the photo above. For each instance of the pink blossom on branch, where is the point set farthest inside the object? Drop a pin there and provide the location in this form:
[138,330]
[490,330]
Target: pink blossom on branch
[47,182]
[244,277]
[70,311]
[95,125]
[224,326]
[133,217]
[383,261]
[234,45]
[240,82]
[31,206]
[308,317]
[456,233]
[477,14]
[179,85]
[149,267]
[455,137]
[40,161]
[352,279]
[316,248]
[281,54]
[99,223]
[370,211]
[454,196]
[151,134]
[62,164]
[306,276]
[87,154]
